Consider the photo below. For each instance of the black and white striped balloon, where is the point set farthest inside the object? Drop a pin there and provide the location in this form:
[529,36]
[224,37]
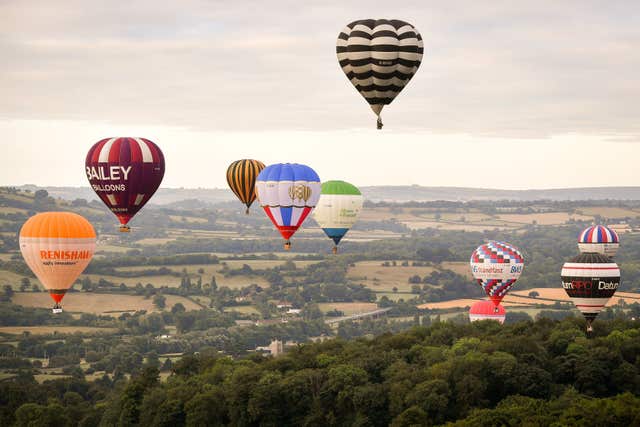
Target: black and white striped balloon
[590,279]
[379,57]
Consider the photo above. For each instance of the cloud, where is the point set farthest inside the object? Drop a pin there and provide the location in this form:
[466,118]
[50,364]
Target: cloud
[506,69]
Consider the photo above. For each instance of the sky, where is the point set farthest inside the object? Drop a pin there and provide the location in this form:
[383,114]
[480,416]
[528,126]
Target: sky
[511,94]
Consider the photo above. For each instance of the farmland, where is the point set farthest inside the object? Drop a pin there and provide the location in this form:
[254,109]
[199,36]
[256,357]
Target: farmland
[413,255]
[106,304]
[54,330]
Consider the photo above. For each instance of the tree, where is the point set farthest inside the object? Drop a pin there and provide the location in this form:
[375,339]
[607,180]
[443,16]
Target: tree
[25,284]
[178,308]
[415,279]
[8,292]
[311,311]
[159,301]
[40,195]
[207,409]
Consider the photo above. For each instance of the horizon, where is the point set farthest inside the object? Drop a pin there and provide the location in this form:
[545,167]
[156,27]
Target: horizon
[518,98]
[362,186]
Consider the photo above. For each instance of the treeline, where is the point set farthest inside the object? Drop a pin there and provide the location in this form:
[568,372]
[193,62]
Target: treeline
[537,373]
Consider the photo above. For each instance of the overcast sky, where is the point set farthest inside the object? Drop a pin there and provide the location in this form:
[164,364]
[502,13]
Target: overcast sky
[510,94]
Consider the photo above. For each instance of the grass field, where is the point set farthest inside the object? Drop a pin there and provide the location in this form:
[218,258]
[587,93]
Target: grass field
[395,296]
[11,210]
[48,330]
[610,212]
[244,309]
[348,308]
[188,219]
[546,218]
[383,279]
[13,279]
[112,304]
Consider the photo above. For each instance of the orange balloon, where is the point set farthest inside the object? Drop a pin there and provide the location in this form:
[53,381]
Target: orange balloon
[57,247]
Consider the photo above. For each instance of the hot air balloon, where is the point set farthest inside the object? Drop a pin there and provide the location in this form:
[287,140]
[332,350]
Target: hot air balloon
[590,280]
[338,209]
[496,266]
[124,173]
[379,58]
[241,176]
[599,239]
[486,310]
[57,246]
[288,192]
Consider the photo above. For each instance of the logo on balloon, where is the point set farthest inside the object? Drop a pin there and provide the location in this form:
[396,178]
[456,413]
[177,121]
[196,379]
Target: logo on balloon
[300,192]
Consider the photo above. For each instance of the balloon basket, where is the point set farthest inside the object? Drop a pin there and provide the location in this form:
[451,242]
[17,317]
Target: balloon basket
[125,229]
[334,250]
[379,123]
[287,246]
[246,211]
[57,309]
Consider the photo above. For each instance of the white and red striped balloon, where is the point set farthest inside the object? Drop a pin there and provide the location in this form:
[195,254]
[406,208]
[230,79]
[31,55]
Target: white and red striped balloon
[599,239]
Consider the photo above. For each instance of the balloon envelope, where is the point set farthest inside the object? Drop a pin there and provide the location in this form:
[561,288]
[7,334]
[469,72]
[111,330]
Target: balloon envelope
[288,192]
[57,246]
[379,57]
[496,266]
[125,173]
[487,310]
[338,208]
[590,280]
[599,239]
[241,177]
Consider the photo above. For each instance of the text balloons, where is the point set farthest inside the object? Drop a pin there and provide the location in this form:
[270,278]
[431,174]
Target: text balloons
[125,173]
[57,247]
[496,266]
[590,280]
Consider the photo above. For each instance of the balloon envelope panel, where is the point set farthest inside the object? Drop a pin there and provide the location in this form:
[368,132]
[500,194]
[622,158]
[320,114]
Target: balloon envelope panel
[496,266]
[125,173]
[241,177]
[379,57]
[590,280]
[288,192]
[487,310]
[599,239]
[57,247]
[338,208]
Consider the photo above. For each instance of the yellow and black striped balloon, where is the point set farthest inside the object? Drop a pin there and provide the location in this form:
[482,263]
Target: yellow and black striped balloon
[241,176]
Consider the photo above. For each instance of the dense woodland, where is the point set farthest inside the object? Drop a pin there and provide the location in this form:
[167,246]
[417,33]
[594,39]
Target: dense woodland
[539,373]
